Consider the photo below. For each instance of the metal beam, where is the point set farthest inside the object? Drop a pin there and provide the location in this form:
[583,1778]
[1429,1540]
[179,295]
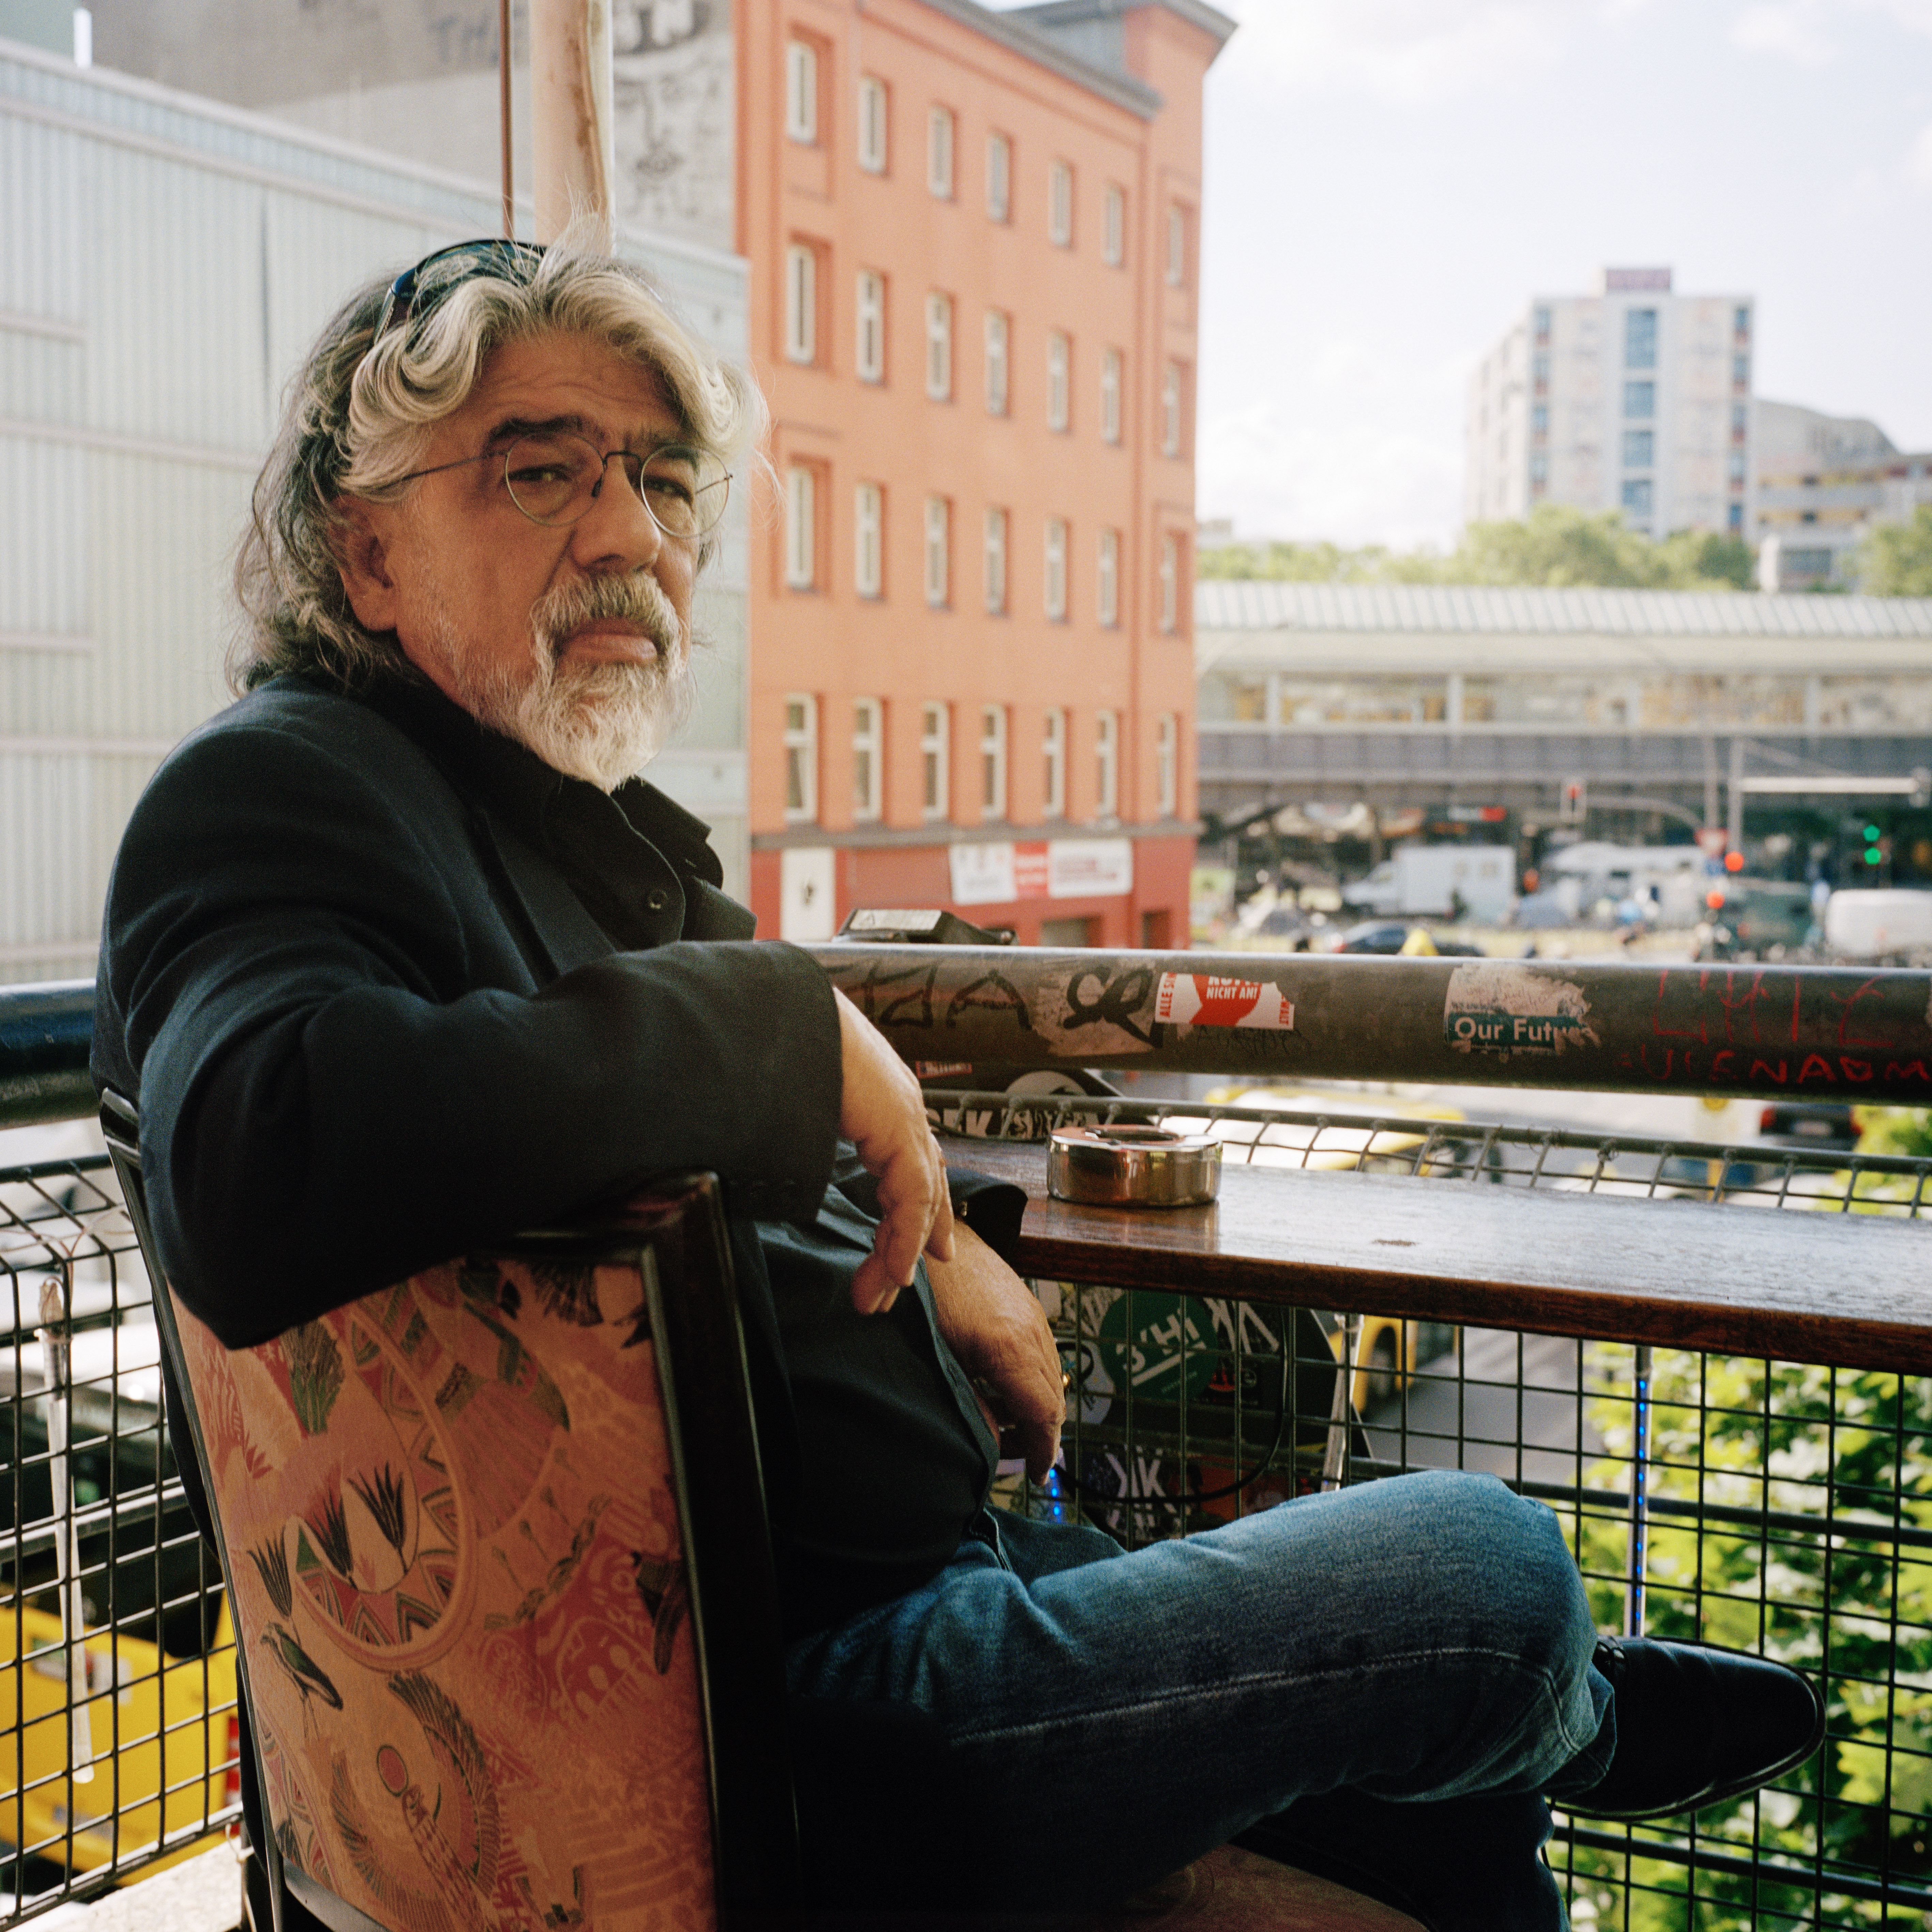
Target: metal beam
[1822,1032]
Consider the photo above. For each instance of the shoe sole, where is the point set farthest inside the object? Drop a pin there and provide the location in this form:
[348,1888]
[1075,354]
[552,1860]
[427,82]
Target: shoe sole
[1721,1794]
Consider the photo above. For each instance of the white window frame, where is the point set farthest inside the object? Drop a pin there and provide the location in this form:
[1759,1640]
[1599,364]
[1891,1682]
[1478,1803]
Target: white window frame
[942,130]
[1107,586]
[801,753]
[939,347]
[869,347]
[995,557]
[992,761]
[1170,409]
[1169,574]
[1106,764]
[801,527]
[874,109]
[801,301]
[1054,600]
[1112,366]
[999,336]
[868,540]
[1053,750]
[1114,226]
[1167,764]
[935,757]
[802,92]
[869,787]
[999,177]
[1059,379]
[1176,266]
[1059,204]
[938,548]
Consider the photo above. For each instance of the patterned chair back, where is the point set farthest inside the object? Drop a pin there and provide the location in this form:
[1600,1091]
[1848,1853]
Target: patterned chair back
[470,1556]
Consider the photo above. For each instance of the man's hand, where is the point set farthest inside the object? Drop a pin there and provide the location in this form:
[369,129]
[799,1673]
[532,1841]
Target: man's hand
[999,1332]
[883,1114]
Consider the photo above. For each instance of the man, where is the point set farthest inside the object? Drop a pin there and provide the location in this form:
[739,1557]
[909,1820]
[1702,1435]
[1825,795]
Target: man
[401,957]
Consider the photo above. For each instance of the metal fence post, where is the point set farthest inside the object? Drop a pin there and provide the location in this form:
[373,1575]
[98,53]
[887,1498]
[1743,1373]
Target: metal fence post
[1639,1494]
[56,1358]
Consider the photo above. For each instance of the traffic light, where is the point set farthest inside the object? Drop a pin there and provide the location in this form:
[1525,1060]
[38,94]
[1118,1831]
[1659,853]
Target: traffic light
[1874,849]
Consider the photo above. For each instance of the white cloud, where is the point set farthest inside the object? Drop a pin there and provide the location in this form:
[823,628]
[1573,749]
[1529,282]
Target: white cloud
[1794,30]
[1919,161]
[1411,50]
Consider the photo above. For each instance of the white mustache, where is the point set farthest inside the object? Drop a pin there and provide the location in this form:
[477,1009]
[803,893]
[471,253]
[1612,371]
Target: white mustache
[638,599]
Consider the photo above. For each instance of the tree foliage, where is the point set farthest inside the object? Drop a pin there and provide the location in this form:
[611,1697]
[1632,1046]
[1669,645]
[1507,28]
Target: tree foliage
[1556,545]
[1895,560]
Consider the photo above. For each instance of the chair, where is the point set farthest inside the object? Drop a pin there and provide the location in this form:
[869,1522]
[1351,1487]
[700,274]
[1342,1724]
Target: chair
[509,1657]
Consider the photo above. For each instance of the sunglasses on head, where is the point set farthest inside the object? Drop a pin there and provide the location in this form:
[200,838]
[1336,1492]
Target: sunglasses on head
[417,290]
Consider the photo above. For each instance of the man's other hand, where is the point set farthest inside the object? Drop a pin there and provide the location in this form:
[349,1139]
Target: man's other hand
[883,1114]
[999,1334]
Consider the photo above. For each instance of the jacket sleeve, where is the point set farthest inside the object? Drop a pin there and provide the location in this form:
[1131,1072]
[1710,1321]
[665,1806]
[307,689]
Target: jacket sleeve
[346,1070]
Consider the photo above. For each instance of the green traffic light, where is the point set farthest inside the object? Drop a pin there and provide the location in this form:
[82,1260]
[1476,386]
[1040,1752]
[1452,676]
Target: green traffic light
[1871,835]
[1873,855]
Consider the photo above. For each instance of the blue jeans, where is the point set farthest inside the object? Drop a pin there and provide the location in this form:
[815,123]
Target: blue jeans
[1377,1684]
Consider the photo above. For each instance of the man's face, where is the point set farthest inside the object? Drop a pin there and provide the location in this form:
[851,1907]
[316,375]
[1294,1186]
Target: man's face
[574,639]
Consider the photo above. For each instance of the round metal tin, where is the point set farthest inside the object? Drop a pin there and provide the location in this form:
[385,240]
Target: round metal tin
[1127,1166]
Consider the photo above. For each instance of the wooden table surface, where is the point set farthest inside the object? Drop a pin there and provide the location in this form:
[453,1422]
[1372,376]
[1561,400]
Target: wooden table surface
[1852,1289]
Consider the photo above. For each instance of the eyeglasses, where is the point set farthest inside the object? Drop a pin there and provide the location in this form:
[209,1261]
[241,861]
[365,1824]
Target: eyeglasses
[492,255]
[554,476]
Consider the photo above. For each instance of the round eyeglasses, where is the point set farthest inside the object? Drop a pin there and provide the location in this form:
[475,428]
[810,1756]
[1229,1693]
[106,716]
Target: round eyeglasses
[554,476]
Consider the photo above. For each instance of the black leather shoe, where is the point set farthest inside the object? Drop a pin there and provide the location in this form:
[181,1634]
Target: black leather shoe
[1696,1725]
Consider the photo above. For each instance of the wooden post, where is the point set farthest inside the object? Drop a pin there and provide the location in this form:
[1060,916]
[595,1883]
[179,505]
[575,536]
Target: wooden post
[572,136]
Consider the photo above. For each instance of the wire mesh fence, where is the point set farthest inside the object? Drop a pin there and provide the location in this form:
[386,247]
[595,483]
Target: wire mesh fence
[1778,1507]
[117,1666]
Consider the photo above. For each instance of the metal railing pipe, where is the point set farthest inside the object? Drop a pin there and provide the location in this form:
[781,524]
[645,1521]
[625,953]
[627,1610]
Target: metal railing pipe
[45,1033]
[1817,1033]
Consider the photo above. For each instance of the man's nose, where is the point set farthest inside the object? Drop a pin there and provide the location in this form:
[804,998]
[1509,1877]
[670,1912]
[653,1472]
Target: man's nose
[618,531]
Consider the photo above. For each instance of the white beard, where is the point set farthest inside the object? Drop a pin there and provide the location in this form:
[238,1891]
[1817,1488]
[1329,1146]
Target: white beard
[602,722]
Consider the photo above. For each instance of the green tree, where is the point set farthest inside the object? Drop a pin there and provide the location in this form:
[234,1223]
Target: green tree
[1895,560]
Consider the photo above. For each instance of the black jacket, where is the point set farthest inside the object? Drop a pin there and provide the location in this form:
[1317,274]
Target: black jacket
[387,987]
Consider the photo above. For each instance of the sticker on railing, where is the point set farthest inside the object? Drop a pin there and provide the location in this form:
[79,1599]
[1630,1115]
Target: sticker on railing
[1497,1007]
[1203,999]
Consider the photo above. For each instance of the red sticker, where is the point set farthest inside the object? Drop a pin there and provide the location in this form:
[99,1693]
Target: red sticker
[1204,999]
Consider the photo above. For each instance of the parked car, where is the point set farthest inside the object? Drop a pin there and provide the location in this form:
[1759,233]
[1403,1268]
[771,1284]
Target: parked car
[1372,935]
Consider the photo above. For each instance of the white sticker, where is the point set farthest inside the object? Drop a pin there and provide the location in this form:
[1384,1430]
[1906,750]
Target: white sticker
[1202,999]
[1502,1008]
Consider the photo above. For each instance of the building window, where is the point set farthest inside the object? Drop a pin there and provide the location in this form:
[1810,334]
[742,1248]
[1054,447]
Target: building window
[1170,583]
[999,179]
[1106,765]
[938,552]
[1170,410]
[1637,495]
[1056,568]
[869,356]
[868,540]
[801,299]
[872,123]
[996,561]
[1060,204]
[1540,321]
[939,347]
[1107,589]
[1114,226]
[1740,422]
[1539,419]
[1539,372]
[1177,247]
[1640,448]
[935,734]
[868,779]
[801,758]
[1737,469]
[1539,471]
[1166,764]
[1110,396]
[997,331]
[1059,362]
[1740,322]
[1640,399]
[1734,520]
[993,761]
[801,530]
[801,91]
[1640,338]
[1741,372]
[1053,748]
[939,130]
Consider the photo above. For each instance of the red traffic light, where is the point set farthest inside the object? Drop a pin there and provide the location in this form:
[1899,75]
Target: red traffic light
[1734,862]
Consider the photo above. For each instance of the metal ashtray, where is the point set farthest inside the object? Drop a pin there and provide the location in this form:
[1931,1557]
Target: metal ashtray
[1133,1167]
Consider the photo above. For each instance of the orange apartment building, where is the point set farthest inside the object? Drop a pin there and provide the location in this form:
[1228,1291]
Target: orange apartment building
[973,239]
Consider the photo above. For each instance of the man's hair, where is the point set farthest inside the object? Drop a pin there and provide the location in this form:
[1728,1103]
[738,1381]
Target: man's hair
[357,418]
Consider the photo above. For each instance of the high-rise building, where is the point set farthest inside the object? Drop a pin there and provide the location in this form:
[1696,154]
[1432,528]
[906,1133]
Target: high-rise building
[1635,399]
[972,242]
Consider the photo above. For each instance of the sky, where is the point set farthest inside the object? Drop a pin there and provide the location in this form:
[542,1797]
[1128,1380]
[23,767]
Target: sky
[1389,183]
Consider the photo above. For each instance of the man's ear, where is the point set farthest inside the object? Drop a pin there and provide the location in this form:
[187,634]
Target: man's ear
[361,554]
